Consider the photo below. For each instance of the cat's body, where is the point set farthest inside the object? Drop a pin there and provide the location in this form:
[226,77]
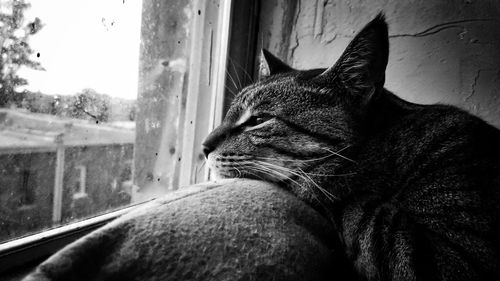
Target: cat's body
[413,190]
[425,199]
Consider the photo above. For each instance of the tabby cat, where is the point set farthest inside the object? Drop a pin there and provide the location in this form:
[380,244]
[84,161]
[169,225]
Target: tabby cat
[414,190]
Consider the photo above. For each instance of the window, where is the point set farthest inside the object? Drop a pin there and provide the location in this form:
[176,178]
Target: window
[67,109]
[27,190]
[79,190]
[110,116]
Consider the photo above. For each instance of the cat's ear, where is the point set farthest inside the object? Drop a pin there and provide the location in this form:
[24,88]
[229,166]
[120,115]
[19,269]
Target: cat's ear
[274,65]
[361,68]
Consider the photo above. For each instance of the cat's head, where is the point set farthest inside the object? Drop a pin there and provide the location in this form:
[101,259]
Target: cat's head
[295,126]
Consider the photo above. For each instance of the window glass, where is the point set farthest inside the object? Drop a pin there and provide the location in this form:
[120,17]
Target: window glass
[68,102]
[103,104]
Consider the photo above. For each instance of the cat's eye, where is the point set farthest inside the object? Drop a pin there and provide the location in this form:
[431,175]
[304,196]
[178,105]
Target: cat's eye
[256,120]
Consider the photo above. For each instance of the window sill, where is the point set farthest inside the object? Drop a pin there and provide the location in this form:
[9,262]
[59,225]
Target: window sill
[26,250]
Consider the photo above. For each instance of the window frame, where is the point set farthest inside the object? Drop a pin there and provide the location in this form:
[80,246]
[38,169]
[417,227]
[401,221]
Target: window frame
[22,254]
[36,247]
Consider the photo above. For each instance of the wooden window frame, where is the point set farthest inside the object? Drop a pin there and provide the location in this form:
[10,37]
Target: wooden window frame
[21,255]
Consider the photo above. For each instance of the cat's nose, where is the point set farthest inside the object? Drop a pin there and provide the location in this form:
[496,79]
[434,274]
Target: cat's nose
[206,150]
[213,139]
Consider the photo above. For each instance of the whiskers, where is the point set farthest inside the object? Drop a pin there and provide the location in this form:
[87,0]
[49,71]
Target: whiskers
[200,167]
[337,153]
[239,78]
[300,161]
[307,181]
[272,174]
[285,171]
[328,194]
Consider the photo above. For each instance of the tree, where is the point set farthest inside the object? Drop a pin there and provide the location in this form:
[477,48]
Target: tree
[15,51]
[90,105]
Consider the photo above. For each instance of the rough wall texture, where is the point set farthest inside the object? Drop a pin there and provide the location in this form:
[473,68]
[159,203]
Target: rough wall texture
[441,51]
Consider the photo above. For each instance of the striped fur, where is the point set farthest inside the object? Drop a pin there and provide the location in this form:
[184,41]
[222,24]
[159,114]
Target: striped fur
[413,190]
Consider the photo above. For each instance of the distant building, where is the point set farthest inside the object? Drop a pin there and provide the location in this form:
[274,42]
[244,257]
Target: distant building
[55,170]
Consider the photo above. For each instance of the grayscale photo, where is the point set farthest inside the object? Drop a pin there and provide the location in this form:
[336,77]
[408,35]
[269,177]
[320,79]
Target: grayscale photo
[308,140]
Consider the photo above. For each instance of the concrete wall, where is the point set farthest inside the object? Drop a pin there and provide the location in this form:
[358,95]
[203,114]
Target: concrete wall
[441,51]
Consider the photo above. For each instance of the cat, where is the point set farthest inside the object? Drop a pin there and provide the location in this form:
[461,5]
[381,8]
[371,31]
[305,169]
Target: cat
[413,190]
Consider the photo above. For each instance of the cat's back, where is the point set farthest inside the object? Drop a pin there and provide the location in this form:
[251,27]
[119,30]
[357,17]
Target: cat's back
[438,134]
[434,149]
[435,174]
[444,130]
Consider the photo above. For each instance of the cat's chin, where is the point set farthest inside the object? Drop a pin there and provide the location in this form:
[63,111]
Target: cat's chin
[230,174]
[223,175]
[302,190]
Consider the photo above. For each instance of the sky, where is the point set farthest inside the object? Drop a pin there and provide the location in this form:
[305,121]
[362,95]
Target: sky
[86,44]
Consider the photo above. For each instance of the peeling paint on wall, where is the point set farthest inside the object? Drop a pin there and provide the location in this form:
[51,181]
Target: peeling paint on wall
[441,51]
